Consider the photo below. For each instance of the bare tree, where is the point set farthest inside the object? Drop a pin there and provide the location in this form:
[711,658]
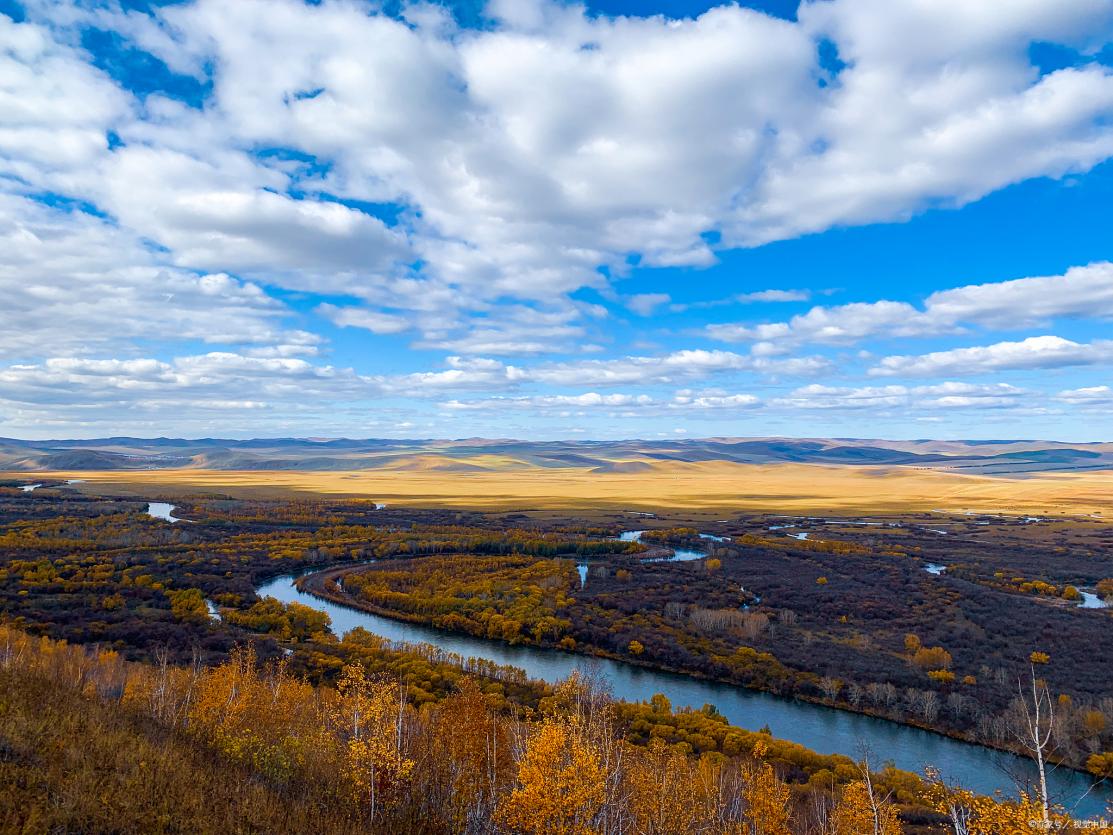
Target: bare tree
[1032,725]
[831,687]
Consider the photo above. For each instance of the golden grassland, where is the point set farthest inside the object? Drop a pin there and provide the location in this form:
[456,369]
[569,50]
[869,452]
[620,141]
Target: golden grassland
[661,485]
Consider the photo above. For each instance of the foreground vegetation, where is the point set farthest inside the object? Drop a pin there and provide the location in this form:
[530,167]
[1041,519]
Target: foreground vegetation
[92,743]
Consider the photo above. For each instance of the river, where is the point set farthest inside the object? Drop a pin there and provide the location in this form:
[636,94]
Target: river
[823,729]
[161,510]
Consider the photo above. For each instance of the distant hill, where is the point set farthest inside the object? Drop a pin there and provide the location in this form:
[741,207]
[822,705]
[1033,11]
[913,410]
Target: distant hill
[476,454]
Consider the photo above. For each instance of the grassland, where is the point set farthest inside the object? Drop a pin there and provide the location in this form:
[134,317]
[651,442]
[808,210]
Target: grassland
[704,486]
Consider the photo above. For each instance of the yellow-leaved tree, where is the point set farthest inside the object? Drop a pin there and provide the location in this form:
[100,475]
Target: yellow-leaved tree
[860,811]
[974,814]
[369,718]
[660,784]
[767,797]
[561,782]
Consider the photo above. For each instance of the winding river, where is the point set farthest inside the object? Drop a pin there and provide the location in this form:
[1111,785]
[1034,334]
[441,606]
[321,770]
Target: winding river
[822,729]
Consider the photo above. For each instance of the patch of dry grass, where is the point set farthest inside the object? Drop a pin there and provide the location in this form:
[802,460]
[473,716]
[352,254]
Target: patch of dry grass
[693,486]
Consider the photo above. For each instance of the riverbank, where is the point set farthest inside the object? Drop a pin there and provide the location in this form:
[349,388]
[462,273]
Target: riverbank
[812,724]
[325,586]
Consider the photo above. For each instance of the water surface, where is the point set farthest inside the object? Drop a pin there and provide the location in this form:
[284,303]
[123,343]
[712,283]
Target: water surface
[822,729]
[161,510]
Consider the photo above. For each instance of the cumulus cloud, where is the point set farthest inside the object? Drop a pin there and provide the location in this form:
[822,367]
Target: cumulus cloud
[72,281]
[55,107]
[588,400]
[665,369]
[106,394]
[372,320]
[469,188]
[527,155]
[1080,292]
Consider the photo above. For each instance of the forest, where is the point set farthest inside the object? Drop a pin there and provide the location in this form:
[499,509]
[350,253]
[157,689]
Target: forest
[835,622]
[133,611]
[90,742]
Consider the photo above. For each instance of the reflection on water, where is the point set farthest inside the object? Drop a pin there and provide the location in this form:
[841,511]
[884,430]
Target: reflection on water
[161,510]
[1092,601]
[822,729]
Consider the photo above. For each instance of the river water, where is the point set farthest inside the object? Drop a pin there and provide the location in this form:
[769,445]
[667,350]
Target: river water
[161,510]
[820,728]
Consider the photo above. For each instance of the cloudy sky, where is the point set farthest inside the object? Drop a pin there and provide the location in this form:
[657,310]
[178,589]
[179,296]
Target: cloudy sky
[529,218]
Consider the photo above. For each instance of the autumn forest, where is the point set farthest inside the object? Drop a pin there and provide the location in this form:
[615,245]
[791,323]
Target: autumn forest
[145,685]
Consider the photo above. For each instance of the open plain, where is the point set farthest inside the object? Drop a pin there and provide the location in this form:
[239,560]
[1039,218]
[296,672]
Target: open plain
[711,486]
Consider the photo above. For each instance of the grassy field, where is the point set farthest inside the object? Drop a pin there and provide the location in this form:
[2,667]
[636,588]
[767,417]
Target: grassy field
[692,486]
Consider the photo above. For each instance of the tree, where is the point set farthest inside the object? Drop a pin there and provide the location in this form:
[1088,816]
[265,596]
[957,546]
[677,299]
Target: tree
[188,605]
[660,782]
[1101,765]
[973,814]
[369,718]
[560,786]
[932,658]
[469,761]
[861,812]
[766,795]
[1032,724]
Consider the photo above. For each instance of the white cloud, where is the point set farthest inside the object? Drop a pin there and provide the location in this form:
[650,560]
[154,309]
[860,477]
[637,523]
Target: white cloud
[71,281]
[511,330]
[846,324]
[484,373]
[54,106]
[644,304]
[371,320]
[949,395]
[462,373]
[759,296]
[588,400]
[682,400]
[775,296]
[536,151]
[113,393]
[1033,352]
[712,400]
[464,185]
[1090,396]
[831,397]
[668,368]
[1081,292]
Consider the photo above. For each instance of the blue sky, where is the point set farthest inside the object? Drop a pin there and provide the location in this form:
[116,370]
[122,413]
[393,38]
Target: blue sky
[867,218]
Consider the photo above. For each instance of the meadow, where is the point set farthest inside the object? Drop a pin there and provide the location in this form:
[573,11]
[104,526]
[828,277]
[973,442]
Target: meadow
[711,486]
